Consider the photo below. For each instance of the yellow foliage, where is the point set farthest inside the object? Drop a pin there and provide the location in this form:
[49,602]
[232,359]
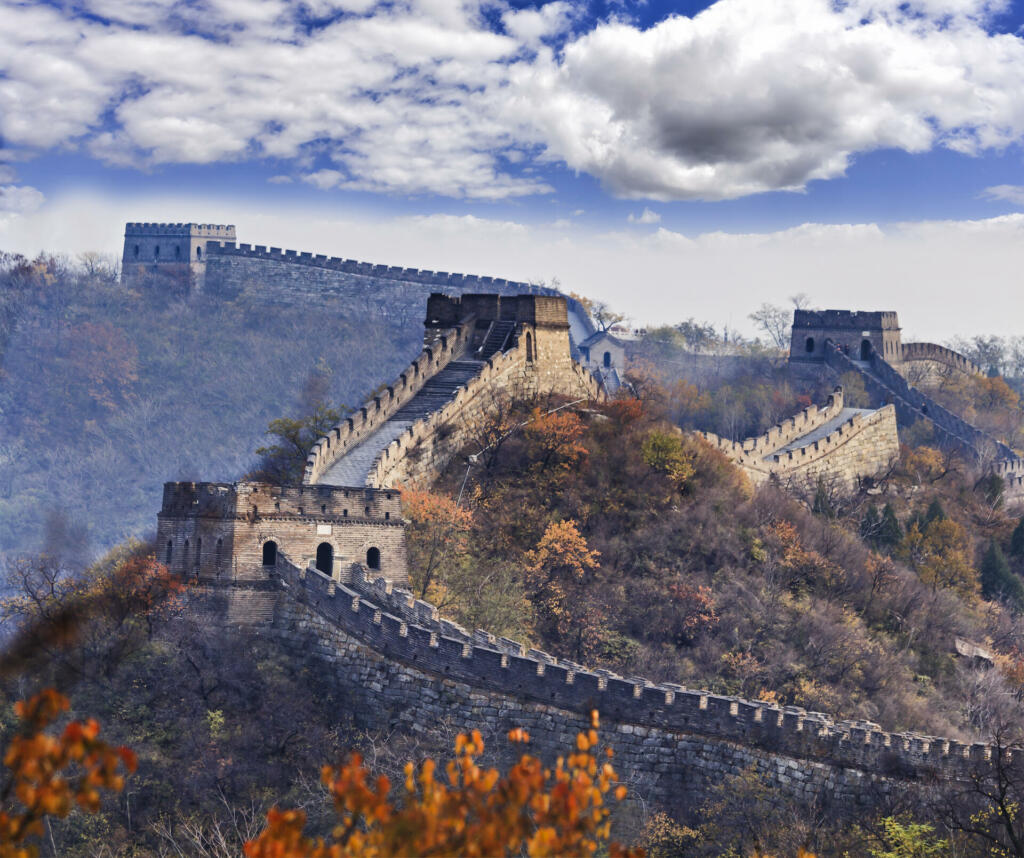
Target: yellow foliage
[531,810]
[51,774]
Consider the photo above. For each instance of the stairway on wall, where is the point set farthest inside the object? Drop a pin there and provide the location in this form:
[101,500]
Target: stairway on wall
[883,382]
[354,468]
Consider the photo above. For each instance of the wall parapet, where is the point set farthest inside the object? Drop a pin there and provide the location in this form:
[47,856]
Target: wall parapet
[751,451]
[497,366]
[400,627]
[351,431]
[462,282]
[940,354]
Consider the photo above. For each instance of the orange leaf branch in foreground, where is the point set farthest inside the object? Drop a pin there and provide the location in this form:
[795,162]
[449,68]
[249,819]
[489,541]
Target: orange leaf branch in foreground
[50,775]
[478,812]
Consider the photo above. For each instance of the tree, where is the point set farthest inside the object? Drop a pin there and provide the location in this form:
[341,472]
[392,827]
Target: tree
[604,315]
[938,552]
[890,531]
[50,775]
[531,810]
[559,575]
[285,461]
[664,453]
[908,839]
[438,535]
[556,438]
[997,581]
[775,322]
[1017,540]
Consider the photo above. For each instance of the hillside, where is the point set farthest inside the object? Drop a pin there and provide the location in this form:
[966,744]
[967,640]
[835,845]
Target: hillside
[105,393]
[617,542]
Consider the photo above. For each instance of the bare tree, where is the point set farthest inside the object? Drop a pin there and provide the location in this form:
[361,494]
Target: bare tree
[775,322]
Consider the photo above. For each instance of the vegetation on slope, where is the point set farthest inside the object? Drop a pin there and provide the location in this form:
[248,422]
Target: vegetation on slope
[107,393]
[610,538]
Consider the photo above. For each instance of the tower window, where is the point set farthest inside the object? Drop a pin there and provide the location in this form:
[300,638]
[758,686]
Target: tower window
[177,251]
[136,251]
[373,558]
[156,252]
[199,253]
[809,345]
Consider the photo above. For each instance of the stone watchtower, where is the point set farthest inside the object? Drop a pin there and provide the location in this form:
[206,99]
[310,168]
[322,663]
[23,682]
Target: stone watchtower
[172,254]
[858,334]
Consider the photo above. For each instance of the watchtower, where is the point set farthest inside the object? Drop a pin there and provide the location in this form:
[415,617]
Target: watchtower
[859,334]
[174,252]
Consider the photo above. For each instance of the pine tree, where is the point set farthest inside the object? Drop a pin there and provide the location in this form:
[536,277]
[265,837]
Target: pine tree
[871,524]
[935,513]
[890,532]
[1017,540]
[997,581]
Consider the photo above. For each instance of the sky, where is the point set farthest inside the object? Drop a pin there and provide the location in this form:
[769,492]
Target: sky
[673,159]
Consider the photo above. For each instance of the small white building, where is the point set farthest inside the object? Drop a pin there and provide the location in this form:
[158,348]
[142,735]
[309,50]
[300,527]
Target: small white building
[605,356]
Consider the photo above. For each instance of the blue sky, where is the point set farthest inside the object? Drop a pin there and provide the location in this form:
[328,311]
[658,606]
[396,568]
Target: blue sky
[819,141]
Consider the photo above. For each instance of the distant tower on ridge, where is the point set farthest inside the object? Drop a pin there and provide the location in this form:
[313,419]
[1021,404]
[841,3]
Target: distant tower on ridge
[174,252]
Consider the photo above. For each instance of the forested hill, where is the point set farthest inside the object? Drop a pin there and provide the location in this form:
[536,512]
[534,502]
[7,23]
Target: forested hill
[106,393]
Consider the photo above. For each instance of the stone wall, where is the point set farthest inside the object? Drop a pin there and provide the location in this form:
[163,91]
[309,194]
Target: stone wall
[927,365]
[444,346]
[862,446]
[404,666]
[429,444]
[856,332]
[217,531]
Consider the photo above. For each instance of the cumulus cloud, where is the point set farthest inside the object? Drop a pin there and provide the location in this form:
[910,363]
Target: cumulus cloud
[646,216]
[1010,193]
[19,199]
[445,97]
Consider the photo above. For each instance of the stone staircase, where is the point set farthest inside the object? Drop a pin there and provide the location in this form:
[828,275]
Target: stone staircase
[497,339]
[354,468]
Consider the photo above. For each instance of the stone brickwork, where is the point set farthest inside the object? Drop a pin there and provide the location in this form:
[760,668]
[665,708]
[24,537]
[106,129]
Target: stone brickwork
[169,252]
[221,531]
[535,359]
[840,446]
[859,334]
[404,666]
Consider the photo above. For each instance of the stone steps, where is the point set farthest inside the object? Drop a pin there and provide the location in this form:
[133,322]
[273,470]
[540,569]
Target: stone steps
[496,340]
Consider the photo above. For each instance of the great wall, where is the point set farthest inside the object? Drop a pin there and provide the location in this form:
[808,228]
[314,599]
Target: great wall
[320,567]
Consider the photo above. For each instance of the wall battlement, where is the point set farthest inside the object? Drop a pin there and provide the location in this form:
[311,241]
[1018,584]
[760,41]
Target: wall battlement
[466,282]
[404,629]
[353,430]
[860,446]
[214,230]
[934,353]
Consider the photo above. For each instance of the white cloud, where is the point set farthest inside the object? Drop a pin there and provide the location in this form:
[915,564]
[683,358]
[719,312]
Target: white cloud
[646,216]
[19,199]
[1010,193]
[280,180]
[750,96]
[422,96]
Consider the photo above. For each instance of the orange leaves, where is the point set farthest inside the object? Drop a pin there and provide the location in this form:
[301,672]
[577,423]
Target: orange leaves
[478,812]
[562,548]
[50,775]
[556,437]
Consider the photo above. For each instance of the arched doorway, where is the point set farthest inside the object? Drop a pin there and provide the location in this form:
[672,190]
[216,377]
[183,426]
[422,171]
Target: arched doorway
[809,345]
[170,553]
[865,350]
[325,558]
[270,553]
[607,360]
[373,558]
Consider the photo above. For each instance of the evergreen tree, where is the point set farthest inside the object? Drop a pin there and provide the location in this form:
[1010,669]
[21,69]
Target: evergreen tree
[890,532]
[935,513]
[871,524]
[822,502]
[1017,540]
[997,581]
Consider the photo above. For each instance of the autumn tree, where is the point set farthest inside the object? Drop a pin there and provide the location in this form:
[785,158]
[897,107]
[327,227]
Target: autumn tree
[462,809]
[664,452]
[939,552]
[559,575]
[555,438]
[284,461]
[438,535]
[50,774]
